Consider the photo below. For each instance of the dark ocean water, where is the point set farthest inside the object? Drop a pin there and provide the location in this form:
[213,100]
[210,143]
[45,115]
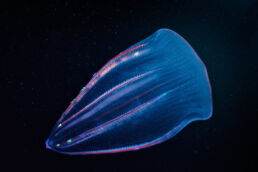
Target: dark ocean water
[52,49]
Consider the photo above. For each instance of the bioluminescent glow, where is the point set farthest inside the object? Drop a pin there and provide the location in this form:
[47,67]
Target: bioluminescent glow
[142,97]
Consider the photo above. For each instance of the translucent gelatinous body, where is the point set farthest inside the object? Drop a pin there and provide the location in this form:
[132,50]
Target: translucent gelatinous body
[143,96]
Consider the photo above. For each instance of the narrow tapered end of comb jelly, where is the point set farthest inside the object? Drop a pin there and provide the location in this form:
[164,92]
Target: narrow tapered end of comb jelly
[49,144]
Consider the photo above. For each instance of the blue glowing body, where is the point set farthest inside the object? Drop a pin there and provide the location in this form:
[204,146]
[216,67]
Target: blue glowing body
[142,97]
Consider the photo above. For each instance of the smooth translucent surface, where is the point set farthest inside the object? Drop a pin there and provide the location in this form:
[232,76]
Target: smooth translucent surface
[142,97]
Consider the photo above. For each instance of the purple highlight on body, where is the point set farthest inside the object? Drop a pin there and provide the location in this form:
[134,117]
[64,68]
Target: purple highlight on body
[135,147]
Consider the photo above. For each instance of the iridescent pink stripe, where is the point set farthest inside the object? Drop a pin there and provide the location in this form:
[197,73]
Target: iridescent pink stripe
[97,76]
[106,94]
[116,119]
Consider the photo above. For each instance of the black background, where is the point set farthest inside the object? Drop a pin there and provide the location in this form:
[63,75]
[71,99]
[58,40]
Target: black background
[52,49]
